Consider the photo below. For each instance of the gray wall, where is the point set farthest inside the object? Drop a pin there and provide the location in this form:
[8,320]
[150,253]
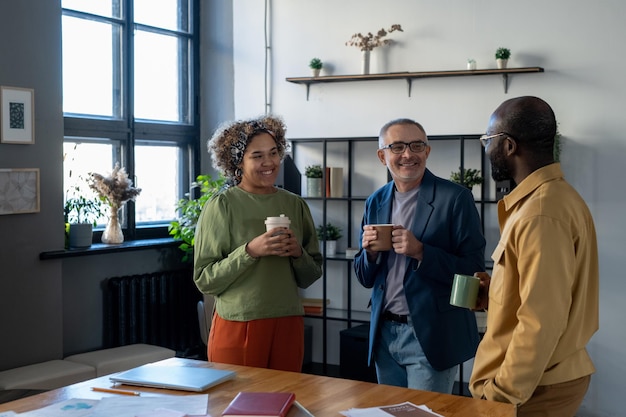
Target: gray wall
[31,302]
[52,308]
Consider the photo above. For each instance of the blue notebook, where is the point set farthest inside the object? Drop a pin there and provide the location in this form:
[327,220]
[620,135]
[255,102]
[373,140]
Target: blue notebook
[185,378]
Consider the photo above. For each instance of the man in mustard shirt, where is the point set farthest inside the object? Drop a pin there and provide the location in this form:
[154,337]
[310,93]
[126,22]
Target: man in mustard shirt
[543,293]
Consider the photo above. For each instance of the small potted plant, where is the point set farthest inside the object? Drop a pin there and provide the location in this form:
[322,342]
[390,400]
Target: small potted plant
[82,210]
[313,174]
[471,64]
[502,57]
[467,177]
[316,66]
[329,234]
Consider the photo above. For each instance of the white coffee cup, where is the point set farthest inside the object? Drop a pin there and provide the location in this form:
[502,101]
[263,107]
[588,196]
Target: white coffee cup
[278,221]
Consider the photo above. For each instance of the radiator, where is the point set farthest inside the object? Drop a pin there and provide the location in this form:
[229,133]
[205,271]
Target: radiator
[157,308]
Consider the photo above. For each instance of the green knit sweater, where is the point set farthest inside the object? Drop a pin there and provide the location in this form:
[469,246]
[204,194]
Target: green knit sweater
[246,288]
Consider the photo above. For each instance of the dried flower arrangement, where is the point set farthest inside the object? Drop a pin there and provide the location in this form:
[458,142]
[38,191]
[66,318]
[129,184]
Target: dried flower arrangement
[116,189]
[369,42]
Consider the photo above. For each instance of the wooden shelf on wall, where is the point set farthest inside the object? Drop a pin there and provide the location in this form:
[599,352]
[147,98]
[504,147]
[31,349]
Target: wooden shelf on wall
[410,76]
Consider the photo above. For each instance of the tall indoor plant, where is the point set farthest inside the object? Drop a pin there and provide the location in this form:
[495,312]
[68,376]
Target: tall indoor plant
[184,227]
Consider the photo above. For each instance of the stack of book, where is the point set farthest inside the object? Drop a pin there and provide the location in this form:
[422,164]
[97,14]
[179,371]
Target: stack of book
[313,306]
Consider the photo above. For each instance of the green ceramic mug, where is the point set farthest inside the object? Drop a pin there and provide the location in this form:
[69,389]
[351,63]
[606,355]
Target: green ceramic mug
[464,291]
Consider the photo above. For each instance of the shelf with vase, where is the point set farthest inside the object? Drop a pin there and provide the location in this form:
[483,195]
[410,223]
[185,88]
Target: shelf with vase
[410,76]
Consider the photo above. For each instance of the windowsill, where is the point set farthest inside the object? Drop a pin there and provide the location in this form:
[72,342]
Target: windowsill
[101,248]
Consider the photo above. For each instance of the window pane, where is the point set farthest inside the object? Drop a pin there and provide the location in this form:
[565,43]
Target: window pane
[157,171]
[91,68]
[165,14]
[82,157]
[108,8]
[158,78]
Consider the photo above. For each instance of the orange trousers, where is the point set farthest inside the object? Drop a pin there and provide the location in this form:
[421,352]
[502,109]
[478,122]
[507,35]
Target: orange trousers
[276,343]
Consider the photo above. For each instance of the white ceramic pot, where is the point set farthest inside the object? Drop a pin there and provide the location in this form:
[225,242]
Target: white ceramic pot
[331,247]
[313,187]
[365,62]
[501,63]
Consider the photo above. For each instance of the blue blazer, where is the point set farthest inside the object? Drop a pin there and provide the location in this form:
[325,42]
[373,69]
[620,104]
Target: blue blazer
[448,224]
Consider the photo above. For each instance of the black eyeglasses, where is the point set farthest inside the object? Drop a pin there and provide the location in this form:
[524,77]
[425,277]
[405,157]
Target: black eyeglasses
[399,147]
[485,140]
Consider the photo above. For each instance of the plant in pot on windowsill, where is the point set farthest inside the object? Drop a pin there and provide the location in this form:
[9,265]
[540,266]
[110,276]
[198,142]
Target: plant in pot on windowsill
[329,234]
[188,208]
[469,179]
[316,66]
[82,210]
[313,174]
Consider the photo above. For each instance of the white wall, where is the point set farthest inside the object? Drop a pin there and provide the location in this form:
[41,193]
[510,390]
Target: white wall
[575,41]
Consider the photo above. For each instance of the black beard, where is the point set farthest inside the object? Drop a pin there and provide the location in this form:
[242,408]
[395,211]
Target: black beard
[500,170]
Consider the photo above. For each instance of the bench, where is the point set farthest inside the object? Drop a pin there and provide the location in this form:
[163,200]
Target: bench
[46,375]
[80,367]
[108,361]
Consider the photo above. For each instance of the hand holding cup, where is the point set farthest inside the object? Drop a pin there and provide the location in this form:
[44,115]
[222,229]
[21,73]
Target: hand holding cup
[379,241]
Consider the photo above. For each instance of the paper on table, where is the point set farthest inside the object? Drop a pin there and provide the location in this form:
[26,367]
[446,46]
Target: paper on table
[8,414]
[405,409]
[75,407]
[125,406]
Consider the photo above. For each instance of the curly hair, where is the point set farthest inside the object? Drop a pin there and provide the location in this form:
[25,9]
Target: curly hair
[229,142]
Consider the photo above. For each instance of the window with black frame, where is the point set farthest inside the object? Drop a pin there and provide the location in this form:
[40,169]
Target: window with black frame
[129,97]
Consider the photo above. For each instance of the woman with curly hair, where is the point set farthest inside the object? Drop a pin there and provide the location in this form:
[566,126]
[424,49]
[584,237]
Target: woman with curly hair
[254,275]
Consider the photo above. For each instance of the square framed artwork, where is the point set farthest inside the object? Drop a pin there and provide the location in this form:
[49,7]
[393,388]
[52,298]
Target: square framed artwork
[17,107]
[19,191]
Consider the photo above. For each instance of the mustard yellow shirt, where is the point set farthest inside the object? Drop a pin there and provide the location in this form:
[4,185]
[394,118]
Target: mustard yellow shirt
[543,297]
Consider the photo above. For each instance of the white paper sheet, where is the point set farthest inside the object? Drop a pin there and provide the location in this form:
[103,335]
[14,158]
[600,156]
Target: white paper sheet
[126,406]
[75,407]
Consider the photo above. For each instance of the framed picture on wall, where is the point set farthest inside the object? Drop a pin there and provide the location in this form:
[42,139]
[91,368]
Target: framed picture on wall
[17,106]
[19,191]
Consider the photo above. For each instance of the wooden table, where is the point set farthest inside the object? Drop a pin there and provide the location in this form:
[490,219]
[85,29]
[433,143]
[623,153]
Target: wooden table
[322,396]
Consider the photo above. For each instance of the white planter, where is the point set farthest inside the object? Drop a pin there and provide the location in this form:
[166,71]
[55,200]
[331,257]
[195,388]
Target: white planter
[313,187]
[501,63]
[365,62]
[315,72]
[331,247]
[471,66]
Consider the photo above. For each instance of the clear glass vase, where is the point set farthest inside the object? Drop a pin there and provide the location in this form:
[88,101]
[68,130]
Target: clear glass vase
[113,232]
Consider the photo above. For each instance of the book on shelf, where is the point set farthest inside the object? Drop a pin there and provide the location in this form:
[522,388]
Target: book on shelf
[334,181]
[313,305]
[260,404]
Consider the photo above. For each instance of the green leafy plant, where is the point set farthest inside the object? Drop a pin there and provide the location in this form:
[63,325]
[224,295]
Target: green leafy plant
[329,232]
[184,228]
[82,206]
[316,63]
[470,177]
[503,53]
[313,171]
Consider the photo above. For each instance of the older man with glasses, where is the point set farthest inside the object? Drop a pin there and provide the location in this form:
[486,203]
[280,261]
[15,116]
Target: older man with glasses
[417,338]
